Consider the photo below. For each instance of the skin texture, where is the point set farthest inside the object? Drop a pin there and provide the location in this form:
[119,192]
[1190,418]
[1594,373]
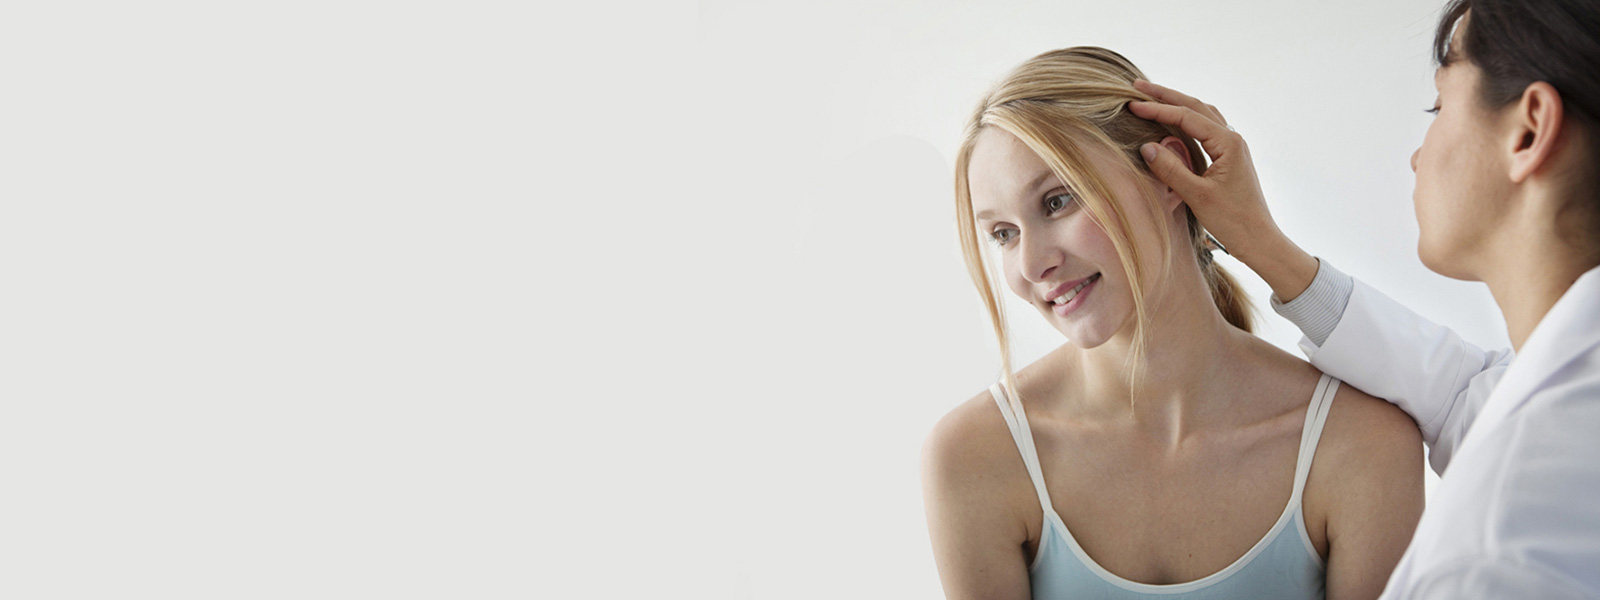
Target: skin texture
[1456,175]
[1183,482]
[1062,246]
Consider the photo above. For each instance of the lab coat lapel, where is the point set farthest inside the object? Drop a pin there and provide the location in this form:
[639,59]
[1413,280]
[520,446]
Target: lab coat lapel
[1571,328]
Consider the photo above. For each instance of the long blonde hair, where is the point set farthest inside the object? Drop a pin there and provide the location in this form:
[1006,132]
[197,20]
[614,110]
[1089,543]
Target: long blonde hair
[1066,106]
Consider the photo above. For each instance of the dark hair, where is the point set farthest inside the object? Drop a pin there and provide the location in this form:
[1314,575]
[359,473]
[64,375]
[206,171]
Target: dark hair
[1517,42]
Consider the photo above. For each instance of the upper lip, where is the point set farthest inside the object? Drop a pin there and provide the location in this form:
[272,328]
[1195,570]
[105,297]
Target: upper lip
[1063,288]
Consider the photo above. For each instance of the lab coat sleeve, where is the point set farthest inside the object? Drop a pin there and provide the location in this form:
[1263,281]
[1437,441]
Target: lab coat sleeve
[1427,370]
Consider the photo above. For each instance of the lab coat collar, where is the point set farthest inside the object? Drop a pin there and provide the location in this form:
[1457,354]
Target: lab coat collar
[1567,331]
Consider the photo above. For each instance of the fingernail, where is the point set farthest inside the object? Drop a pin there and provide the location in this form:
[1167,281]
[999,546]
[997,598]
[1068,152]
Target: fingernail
[1149,151]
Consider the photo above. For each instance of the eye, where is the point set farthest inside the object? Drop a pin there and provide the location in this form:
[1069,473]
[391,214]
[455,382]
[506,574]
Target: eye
[1003,235]
[1058,202]
[1434,110]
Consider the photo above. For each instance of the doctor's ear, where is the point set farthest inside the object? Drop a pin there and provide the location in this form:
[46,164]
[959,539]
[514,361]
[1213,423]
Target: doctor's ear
[1175,145]
[1535,126]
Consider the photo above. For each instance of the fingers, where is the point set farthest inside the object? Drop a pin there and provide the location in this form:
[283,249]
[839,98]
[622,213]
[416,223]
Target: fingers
[1171,170]
[1172,96]
[1209,133]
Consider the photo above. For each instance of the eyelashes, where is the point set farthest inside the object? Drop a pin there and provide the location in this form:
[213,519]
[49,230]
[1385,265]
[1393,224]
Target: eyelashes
[1052,204]
[1001,236]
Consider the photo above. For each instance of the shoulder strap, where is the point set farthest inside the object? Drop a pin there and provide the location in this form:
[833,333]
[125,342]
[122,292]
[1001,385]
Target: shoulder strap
[1316,417]
[1017,421]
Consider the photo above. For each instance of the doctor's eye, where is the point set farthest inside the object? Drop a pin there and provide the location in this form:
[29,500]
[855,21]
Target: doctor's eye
[1058,202]
[1432,111]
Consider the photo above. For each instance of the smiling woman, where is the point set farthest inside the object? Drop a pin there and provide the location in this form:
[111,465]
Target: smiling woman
[1082,122]
[1165,450]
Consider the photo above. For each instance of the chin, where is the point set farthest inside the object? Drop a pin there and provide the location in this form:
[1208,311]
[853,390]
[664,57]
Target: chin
[1439,261]
[1084,334]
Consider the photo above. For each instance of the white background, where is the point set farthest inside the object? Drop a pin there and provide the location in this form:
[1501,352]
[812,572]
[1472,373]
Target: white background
[348,299]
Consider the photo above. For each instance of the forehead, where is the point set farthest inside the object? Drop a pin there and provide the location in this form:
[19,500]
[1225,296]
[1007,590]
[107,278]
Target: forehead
[1459,73]
[1003,169]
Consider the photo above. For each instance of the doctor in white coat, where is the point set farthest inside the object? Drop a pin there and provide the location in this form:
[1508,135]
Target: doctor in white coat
[1507,193]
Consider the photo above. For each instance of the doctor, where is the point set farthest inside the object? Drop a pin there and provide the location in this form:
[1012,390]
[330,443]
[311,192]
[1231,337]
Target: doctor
[1507,193]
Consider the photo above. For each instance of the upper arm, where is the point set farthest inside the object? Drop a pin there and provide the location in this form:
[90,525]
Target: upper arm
[1368,470]
[969,493]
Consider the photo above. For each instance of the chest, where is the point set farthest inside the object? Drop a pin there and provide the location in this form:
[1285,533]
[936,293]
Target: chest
[1170,516]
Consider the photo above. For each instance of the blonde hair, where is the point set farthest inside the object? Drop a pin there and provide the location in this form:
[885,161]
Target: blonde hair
[1066,106]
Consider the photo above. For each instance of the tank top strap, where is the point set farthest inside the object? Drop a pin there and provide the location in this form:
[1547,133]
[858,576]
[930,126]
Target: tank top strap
[1316,417]
[1017,421]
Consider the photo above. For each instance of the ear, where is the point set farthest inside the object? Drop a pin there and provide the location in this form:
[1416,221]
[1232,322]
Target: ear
[1171,197]
[1536,121]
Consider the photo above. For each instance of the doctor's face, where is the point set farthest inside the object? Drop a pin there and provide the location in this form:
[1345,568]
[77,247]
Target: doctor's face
[1460,176]
[1053,253]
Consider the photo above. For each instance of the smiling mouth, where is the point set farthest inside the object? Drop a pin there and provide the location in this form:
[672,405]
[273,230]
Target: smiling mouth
[1073,293]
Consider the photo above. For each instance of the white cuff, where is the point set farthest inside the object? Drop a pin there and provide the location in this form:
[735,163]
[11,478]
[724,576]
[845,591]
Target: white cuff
[1317,310]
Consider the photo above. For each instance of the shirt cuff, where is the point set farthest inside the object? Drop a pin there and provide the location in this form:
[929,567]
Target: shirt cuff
[1317,310]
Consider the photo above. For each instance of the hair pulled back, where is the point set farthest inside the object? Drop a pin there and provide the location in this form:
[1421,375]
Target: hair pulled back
[1515,43]
[1068,105]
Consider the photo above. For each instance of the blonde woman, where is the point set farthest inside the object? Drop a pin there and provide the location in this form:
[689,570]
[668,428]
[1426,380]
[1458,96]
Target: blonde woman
[1164,451]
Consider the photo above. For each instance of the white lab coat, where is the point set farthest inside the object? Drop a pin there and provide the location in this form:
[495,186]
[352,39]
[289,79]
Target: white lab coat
[1516,513]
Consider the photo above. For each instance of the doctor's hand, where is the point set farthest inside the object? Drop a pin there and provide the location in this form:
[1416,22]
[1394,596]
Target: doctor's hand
[1227,198]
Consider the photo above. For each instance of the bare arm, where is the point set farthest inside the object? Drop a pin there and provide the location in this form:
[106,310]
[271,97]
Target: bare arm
[1370,484]
[968,491]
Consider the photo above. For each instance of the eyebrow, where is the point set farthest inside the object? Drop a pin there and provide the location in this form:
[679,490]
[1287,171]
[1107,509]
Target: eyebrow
[1032,185]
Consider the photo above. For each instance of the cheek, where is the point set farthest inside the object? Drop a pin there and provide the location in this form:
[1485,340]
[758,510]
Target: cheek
[1092,243]
[1085,232]
[1013,275]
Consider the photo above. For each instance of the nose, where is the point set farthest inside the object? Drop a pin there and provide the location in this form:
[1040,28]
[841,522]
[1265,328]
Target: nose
[1039,259]
[1414,155]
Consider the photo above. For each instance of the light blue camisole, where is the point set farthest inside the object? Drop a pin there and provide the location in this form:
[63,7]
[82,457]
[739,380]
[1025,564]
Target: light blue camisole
[1283,564]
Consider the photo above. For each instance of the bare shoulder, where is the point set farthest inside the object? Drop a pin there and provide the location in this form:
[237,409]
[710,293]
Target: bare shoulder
[1368,463]
[1365,493]
[972,446]
[1363,428]
[979,502]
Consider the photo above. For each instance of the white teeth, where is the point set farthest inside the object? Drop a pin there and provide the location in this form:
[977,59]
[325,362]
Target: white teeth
[1073,293]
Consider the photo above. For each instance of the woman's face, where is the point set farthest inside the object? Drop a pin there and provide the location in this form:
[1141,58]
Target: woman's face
[1053,253]
[1460,173]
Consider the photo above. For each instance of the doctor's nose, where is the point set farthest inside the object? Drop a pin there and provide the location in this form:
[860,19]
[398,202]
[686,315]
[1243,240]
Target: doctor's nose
[1414,155]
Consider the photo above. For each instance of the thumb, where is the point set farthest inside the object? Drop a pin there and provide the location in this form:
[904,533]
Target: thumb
[1171,170]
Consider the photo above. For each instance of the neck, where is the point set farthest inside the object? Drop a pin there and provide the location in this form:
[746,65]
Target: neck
[1530,272]
[1182,369]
